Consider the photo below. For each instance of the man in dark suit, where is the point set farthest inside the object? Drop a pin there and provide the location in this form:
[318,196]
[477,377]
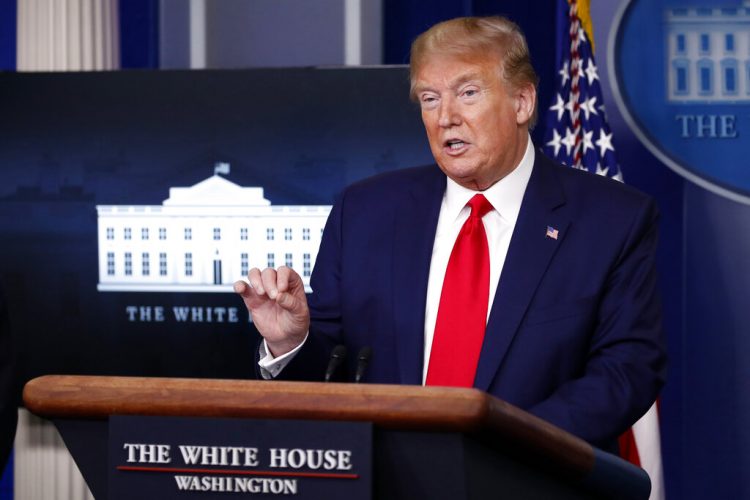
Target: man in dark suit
[565,292]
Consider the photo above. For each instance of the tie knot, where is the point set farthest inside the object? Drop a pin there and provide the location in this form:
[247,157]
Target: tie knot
[479,206]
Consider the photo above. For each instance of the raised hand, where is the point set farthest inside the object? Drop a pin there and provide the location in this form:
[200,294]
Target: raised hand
[276,300]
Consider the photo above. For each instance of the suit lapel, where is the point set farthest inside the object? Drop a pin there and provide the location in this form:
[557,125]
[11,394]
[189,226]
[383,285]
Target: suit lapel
[414,236]
[528,256]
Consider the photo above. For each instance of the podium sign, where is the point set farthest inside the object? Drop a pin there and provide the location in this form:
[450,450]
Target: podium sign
[192,438]
[183,458]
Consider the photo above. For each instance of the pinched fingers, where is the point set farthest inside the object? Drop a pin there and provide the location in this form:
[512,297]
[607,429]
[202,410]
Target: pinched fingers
[268,279]
[277,302]
[253,292]
[249,290]
[254,277]
[283,286]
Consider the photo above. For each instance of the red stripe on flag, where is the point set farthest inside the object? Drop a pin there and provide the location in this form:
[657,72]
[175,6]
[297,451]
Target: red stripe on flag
[628,449]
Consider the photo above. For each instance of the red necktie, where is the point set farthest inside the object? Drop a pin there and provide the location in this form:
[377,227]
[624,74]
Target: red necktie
[462,314]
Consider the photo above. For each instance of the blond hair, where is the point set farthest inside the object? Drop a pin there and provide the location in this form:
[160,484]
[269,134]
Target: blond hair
[478,38]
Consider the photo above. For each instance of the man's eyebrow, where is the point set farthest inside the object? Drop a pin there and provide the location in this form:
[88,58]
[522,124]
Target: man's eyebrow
[421,87]
[465,78]
[457,82]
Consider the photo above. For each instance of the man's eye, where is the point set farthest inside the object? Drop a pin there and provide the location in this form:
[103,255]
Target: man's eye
[470,92]
[428,101]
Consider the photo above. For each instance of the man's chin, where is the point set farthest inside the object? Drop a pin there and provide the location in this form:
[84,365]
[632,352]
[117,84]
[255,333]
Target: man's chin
[467,181]
[457,171]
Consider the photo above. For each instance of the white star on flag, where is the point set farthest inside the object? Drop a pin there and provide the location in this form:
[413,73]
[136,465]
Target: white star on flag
[587,144]
[555,142]
[604,142]
[589,107]
[591,73]
[564,73]
[569,141]
[559,106]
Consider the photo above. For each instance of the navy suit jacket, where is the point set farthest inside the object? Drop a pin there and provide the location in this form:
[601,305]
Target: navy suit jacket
[574,334]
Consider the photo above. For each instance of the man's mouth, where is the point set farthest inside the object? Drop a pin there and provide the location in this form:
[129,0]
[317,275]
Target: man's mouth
[455,145]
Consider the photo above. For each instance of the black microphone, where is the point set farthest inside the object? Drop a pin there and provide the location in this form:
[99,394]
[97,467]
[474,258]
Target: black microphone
[337,357]
[363,360]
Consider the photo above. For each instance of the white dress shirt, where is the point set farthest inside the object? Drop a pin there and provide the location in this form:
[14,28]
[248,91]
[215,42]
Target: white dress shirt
[505,196]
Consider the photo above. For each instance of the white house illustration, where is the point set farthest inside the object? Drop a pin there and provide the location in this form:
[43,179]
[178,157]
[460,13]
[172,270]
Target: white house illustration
[203,238]
[708,53]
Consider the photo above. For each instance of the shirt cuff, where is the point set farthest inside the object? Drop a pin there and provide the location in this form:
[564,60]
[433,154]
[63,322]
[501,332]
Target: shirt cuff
[271,367]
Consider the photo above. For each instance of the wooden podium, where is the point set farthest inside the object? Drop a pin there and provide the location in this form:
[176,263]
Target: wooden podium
[428,442]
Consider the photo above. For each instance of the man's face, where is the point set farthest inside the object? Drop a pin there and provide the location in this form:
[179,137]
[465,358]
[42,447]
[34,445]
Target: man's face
[476,124]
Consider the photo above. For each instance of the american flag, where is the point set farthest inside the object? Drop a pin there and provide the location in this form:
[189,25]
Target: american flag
[577,132]
[579,136]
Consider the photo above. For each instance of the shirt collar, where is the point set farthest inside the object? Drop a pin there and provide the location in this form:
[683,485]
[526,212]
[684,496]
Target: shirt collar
[505,195]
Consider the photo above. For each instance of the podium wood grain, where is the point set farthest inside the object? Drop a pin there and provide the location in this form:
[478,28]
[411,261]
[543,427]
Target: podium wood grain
[417,408]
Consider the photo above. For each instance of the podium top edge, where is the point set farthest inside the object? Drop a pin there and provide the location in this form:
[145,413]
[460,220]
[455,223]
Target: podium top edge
[96,397]
[401,407]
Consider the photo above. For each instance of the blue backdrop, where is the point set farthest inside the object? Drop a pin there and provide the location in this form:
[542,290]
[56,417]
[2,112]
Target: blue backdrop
[703,252]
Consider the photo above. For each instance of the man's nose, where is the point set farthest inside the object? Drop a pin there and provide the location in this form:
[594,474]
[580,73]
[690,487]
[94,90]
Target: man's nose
[448,115]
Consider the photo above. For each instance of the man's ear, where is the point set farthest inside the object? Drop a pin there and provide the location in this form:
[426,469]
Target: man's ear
[525,103]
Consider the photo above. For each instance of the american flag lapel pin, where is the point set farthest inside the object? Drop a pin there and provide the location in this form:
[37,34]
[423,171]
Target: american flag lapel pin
[552,233]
